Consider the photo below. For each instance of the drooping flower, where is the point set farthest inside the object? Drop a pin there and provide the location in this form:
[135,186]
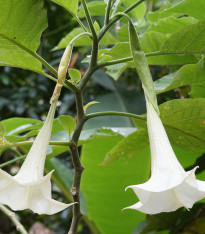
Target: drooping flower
[170,186]
[29,188]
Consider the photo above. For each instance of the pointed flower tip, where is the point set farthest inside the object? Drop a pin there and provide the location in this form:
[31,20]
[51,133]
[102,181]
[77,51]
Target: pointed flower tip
[128,187]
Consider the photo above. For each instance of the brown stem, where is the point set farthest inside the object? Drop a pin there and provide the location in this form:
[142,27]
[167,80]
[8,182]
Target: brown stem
[75,191]
[78,167]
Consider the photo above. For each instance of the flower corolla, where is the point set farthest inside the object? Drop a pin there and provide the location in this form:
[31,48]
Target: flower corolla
[29,188]
[170,186]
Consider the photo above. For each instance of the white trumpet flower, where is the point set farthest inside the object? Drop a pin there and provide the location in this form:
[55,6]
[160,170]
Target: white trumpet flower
[169,187]
[29,188]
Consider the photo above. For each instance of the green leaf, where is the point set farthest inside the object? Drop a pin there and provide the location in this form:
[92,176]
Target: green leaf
[16,126]
[184,122]
[115,71]
[68,123]
[96,8]
[156,15]
[3,140]
[198,90]
[152,42]
[188,159]
[185,7]
[159,222]
[103,187]
[138,12]
[190,221]
[108,39]
[93,135]
[22,23]
[188,39]
[70,5]
[187,75]
[129,147]
[2,130]
[75,75]
[81,42]
[86,136]
[118,51]
[171,24]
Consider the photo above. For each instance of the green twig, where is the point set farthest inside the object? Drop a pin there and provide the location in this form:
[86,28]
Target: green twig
[157,53]
[88,17]
[97,114]
[12,161]
[11,215]
[110,24]
[15,151]
[78,167]
[22,143]
[107,13]
[81,24]
[121,14]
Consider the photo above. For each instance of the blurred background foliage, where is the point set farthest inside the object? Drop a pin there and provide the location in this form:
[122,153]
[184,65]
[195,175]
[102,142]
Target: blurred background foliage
[26,94]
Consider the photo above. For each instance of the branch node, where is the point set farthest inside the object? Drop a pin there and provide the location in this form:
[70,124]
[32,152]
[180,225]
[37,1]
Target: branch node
[74,191]
[82,169]
[12,214]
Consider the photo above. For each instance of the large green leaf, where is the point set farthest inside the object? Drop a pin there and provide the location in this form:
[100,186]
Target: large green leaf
[81,42]
[68,123]
[138,12]
[184,122]
[188,39]
[103,187]
[86,136]
[108,39]
[129,147]
[185,7]
[152,42]
[118,51]
[21,25]
[187,75]
[70,5]
[198,90]
[16,126]
[96,8]
[171,24]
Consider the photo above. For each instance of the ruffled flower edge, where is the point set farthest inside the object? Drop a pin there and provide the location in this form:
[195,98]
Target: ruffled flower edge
[34,195]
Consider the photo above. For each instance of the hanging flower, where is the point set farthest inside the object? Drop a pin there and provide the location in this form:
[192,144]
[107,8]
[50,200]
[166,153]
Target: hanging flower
[169,187]
[29,189]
